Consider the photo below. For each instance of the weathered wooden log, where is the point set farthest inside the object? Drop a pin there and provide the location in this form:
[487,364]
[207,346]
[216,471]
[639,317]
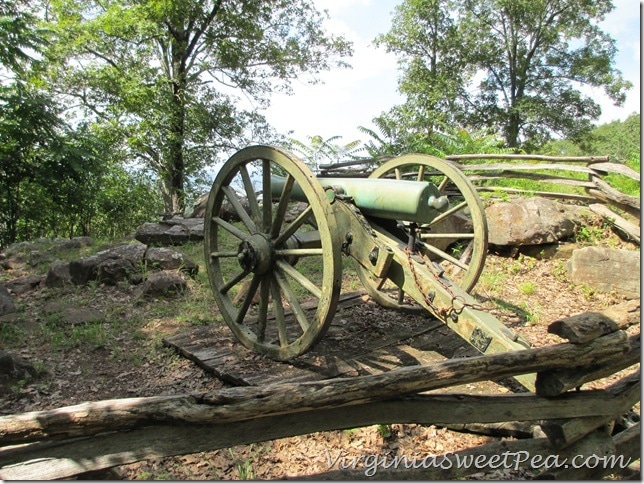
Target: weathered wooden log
[60,459]
[584,327]
[563,432]
[555,382]
[518,191]
[502,156]
[235,404]
[630,230]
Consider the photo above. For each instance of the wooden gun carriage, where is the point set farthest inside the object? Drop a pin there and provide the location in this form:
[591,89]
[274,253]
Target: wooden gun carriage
[415,230]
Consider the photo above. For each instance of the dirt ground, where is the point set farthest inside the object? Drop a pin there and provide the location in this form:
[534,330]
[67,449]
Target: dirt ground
[527,294]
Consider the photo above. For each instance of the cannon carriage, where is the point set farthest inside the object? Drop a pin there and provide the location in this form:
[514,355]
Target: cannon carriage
[415,230]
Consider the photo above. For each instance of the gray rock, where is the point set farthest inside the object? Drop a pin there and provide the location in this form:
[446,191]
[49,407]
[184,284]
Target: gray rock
[79,316]
[6,302]
[58,275]
[164,283]
[21,285]
[20,247]
[607,270]
[167,259]
[199,207]
[101,266]
[175,231]
[531,221]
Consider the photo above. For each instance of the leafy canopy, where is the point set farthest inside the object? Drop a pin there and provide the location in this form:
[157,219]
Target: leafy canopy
[510,66]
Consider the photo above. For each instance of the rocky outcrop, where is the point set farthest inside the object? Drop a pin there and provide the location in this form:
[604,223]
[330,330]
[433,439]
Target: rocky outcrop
[175,231]
[110,266]
[531,221]
[607,270]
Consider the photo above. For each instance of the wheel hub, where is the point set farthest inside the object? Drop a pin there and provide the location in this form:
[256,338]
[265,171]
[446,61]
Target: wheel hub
[256,254]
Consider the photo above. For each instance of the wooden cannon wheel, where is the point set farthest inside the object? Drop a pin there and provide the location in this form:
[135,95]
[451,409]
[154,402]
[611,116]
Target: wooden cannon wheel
[262,268]
[457,240]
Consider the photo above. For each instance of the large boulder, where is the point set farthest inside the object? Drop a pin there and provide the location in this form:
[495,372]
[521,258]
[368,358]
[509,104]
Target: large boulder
[176,231]
[607,270]
[58,275]
[531,221]
[164,283]
[110,266]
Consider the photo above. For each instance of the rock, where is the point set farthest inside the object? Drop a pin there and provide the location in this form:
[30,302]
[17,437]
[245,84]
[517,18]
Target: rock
[199,207]
[176,231]
[114,270]
[13,368]
[20,247]
[79,316]
[531,221]
[607,270]
[164,283]
[22,285]
[101,266]
[37,257]
[73,316]
[58,275]
[167,259]
[558,250]
[6,302]
[73,243]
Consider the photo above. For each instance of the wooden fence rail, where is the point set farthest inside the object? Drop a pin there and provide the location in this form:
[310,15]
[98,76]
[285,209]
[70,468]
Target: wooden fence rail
[73,440]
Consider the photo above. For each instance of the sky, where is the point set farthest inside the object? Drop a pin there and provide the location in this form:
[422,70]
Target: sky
[349,98]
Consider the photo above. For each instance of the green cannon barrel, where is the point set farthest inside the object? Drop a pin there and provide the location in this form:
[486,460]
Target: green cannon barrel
[414,201]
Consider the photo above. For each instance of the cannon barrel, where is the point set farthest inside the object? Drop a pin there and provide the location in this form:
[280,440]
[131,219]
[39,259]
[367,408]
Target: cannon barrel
[414,201]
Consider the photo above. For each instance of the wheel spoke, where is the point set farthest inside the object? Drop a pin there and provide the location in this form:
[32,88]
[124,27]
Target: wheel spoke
[443,184]
[220,254]
[230,228]
[446,256]
[300,316]
[300,278]
[241,211]
[230,284]
[398,175]
[282,206]
[421,172]
[267,198]
[451,211]
[293,226]
[280,319]
[254,284]
[250,193]
[298,252]
[264,293]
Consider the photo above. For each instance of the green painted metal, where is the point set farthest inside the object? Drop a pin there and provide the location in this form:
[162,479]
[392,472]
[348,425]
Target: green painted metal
[414,201]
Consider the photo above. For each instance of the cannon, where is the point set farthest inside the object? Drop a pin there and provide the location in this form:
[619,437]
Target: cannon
[415,231]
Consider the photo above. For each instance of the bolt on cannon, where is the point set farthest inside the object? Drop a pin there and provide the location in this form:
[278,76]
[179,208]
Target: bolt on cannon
[415,230]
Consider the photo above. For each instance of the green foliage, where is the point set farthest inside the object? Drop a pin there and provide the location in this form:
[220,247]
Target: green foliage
[167,73]
[319,150]
[512,66]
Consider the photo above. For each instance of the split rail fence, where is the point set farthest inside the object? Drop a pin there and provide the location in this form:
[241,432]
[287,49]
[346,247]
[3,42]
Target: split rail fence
[73,440]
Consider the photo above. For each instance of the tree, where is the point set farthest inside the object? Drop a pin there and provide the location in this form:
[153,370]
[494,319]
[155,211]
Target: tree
[512,66]
[167,72]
